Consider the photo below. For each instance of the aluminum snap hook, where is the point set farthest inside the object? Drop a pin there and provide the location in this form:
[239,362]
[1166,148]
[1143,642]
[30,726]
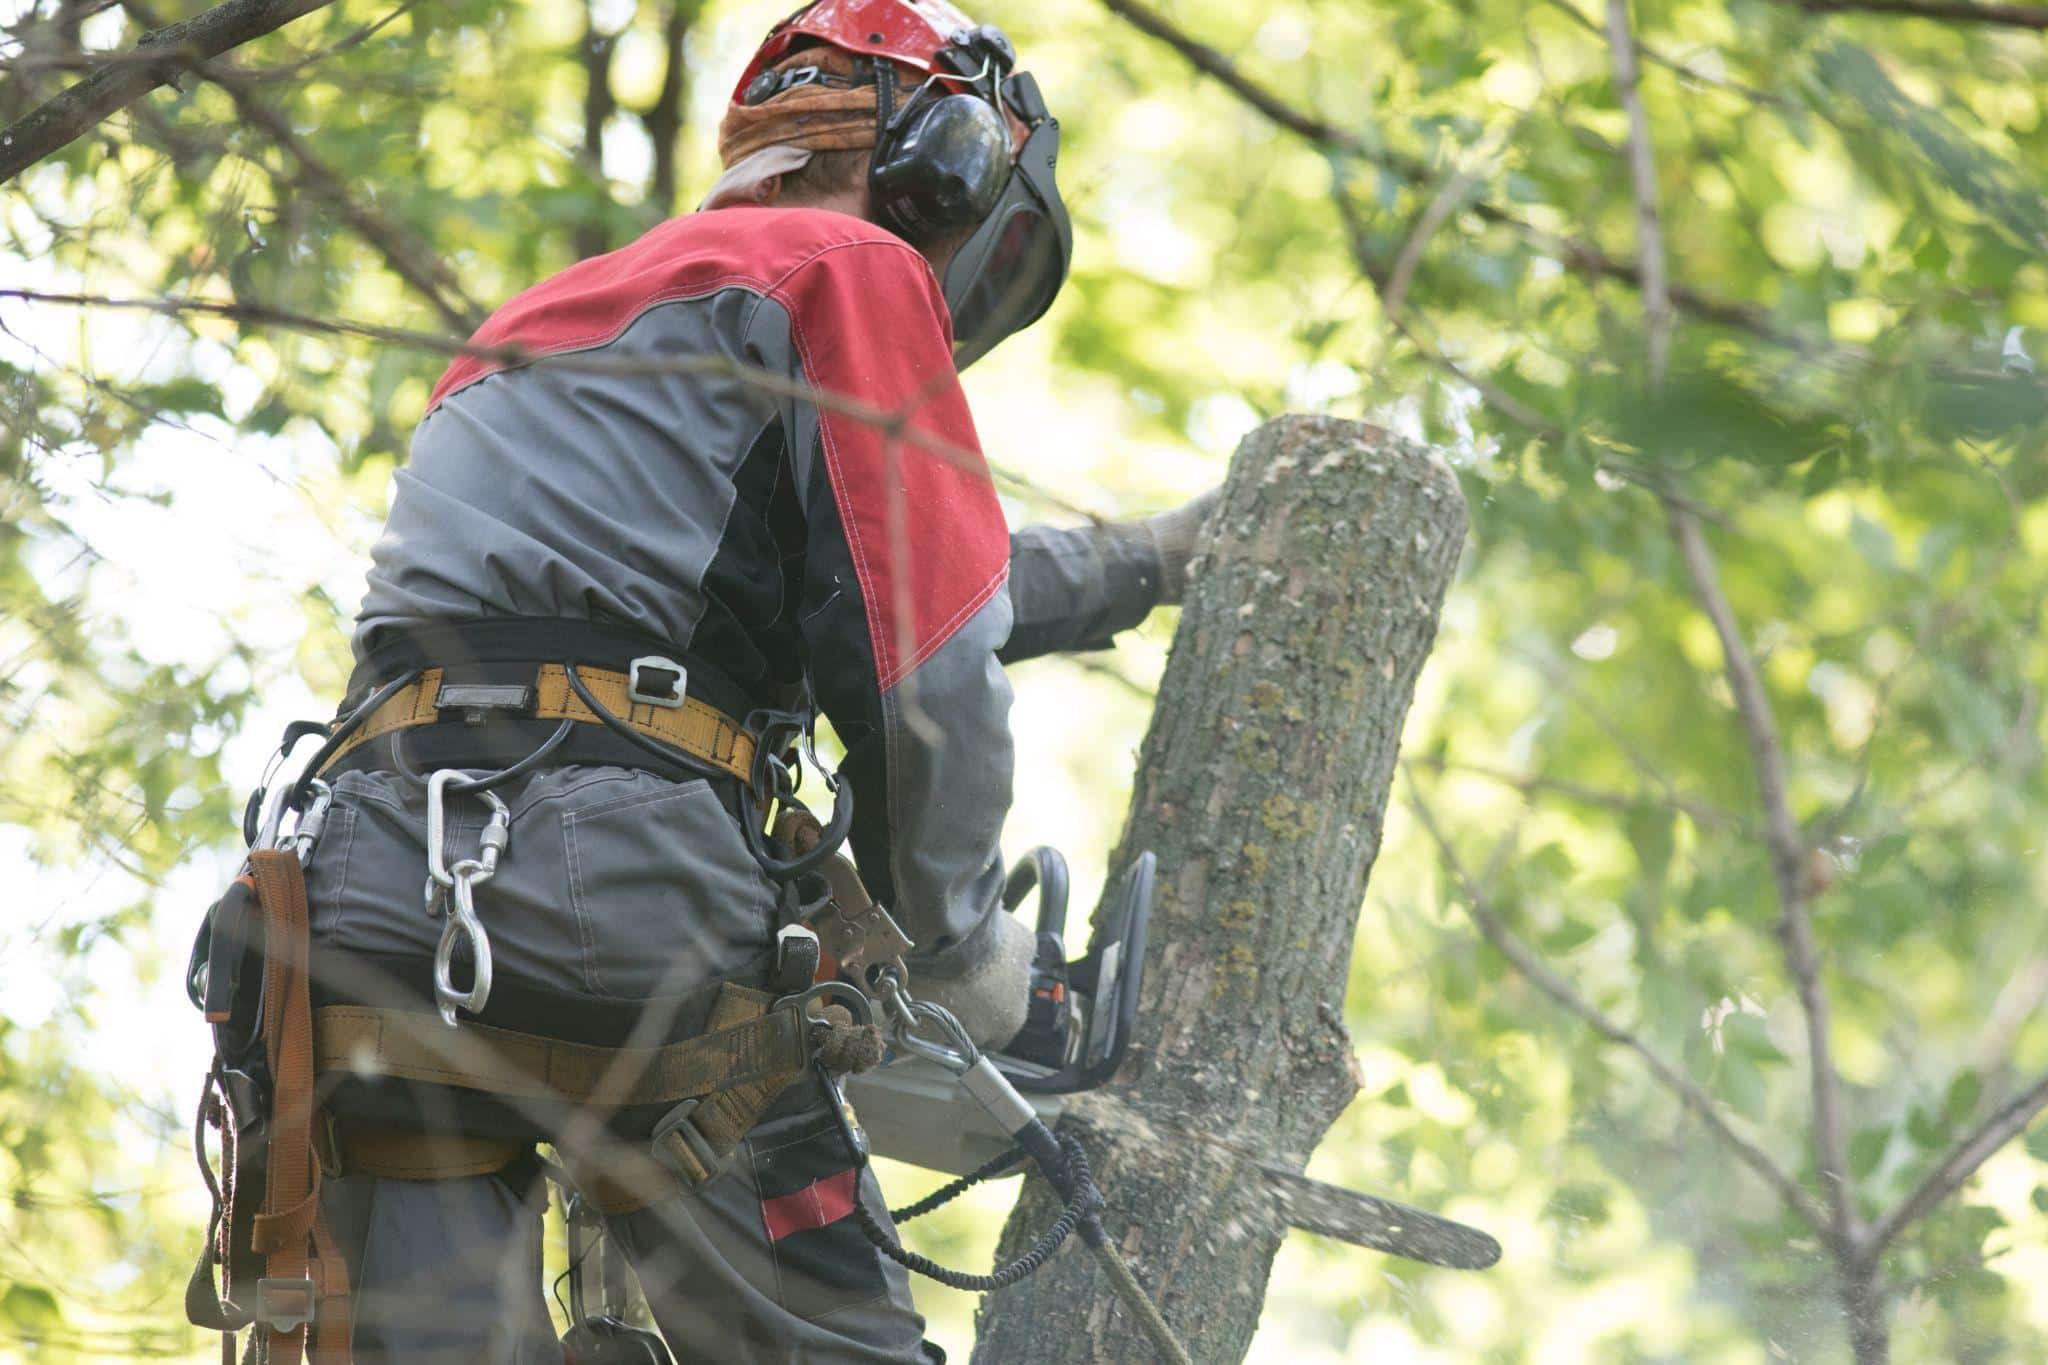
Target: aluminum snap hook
[306,831]
[456,887]
[462,919]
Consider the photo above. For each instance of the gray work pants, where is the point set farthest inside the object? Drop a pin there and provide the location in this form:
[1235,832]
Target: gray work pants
[617,884]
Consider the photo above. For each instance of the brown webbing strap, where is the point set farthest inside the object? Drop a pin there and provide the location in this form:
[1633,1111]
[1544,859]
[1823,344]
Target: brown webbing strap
[617,1178]
[390,1151]
[416,1046]
[697,729]
[298,1251]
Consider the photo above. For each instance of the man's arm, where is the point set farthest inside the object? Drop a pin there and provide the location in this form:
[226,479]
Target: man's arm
[1075,589]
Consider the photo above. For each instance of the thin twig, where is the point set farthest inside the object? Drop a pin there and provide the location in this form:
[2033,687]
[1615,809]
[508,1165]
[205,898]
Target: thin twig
[1672,64]
[1788,850]
[1700,812]
[1642,171]
[1951,11]
[2008,1122]
[890,422]
[1524,960]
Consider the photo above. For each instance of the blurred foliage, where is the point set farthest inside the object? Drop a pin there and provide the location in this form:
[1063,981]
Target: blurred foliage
[1854,210]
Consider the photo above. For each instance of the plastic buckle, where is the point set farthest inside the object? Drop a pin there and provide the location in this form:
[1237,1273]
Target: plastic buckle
[646,672]
[677,1124]
[277,1319]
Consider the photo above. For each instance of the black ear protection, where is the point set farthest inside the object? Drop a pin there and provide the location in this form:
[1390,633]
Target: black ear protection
[943,159]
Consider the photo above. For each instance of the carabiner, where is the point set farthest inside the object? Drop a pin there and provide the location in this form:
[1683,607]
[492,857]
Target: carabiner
[458,885]
[306,829]
[462,919]
[857,1004]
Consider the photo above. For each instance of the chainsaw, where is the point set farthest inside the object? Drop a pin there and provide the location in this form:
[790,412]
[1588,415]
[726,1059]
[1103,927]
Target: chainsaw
[1078,1026]
[960,1111]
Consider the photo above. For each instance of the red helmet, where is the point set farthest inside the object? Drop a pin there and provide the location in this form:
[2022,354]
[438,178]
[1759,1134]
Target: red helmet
[946,158]
[908,31]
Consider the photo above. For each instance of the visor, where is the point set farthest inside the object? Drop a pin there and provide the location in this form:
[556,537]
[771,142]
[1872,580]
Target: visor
[1004,276]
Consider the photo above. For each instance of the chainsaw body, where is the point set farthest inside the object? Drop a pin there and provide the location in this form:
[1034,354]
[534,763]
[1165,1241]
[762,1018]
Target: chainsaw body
[1079,1024]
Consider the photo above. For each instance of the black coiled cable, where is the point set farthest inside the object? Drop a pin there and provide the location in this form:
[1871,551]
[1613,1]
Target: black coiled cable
[1081,1204]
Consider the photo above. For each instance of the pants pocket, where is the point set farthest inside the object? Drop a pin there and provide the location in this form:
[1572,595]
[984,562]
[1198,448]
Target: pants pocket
[665,893]
[807,1185]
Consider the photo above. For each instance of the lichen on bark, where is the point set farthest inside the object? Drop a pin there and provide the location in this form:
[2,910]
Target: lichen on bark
[1262,787]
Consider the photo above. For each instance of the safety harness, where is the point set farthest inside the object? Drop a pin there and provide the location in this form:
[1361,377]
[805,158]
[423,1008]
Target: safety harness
[350,1065]
[336,1065]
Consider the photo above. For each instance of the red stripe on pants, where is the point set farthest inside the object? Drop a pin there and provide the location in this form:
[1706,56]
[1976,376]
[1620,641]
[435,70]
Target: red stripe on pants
[816,1205]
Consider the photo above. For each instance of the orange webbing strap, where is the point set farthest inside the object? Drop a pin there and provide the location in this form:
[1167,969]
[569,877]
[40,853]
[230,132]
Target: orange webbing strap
[305,1279]
[702,731]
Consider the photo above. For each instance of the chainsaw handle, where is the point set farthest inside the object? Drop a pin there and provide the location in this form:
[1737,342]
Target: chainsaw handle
[1110,976]
[1045,868]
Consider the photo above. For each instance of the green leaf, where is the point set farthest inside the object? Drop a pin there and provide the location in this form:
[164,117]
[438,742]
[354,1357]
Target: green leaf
[1927,1129]
[1867,1150]
[30,1307]
[1882,851]
[1741,1083]
[1746,1034]
[1650,832]
[1963,1093]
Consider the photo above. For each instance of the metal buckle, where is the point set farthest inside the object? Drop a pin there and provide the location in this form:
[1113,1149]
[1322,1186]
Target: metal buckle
[668,695]
[281,1319]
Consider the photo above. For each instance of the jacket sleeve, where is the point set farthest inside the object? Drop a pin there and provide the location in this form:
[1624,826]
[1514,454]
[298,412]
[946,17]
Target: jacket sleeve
[903,603]
[1075,589]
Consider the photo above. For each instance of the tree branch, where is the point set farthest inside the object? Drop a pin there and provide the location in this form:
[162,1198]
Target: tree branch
[1530,784]
[1788,858]
[1958,1166]
[1951,11]
[1642,172]
[83,106]
[664,118]
[1524,960]
[594,53]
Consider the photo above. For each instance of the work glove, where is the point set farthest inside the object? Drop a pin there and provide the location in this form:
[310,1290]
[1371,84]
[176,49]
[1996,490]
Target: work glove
[1172,536]
[985,979]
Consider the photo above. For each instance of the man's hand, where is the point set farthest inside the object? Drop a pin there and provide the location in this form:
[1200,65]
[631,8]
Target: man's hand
[985,980]
[1173,535]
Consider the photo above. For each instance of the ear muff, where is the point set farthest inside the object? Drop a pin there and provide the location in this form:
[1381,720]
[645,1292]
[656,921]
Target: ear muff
[941,163]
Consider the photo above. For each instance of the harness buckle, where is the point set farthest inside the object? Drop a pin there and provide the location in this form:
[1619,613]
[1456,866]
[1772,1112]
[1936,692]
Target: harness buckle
[655,681]
[287,1317]
[681,1146]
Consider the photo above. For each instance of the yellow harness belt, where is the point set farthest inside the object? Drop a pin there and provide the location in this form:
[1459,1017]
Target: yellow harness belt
[699,730]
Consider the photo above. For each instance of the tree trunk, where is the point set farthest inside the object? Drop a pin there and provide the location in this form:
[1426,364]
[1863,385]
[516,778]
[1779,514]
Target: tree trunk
[1262,787]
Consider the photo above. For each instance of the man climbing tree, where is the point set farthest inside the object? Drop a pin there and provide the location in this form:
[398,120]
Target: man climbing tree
[675,502]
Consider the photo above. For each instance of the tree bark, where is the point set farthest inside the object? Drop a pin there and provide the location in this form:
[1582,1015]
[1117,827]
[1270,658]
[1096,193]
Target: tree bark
[1262,786]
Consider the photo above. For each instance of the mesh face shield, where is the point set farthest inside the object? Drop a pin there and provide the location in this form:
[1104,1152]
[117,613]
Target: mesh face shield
[1007,273]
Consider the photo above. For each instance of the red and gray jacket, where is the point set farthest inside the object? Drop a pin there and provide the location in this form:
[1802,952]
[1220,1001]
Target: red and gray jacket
[702,464]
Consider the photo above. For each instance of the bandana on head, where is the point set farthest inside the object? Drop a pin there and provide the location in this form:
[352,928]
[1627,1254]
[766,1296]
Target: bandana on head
[816,117]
